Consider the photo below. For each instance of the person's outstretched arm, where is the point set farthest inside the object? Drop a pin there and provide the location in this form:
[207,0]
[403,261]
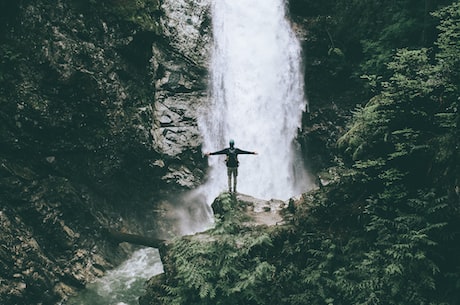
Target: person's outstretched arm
[245,152]
[220,152]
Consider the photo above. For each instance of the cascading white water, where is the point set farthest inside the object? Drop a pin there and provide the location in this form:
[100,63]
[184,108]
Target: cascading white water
[123,285]
[257,98]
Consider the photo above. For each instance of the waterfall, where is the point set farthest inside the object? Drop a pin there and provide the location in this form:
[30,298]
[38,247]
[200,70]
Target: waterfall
[256,98]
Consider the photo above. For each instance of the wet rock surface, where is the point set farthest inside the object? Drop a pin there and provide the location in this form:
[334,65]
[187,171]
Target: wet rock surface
[259,211]
[52,237]
[180,68]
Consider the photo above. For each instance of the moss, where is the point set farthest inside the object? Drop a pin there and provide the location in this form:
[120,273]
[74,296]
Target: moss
[144,13]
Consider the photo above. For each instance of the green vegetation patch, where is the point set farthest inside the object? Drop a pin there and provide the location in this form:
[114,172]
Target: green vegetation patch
[144,13]
[229,264]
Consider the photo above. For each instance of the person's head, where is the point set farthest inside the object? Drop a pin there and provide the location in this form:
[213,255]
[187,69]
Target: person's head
[232,143]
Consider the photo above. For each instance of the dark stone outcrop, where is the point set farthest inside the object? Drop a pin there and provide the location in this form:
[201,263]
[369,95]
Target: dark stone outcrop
[259,211]
[331,88]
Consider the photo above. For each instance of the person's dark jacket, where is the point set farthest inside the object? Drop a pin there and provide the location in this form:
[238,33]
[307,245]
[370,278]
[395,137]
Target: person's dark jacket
[232,155]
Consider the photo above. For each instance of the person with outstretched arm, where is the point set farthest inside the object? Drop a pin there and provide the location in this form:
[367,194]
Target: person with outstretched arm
[232,162]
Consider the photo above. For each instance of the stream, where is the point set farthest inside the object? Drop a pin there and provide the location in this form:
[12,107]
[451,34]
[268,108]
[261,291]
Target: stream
[124,284]
[257,99]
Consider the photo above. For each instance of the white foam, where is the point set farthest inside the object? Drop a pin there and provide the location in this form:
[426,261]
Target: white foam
[124,284]
[142,265]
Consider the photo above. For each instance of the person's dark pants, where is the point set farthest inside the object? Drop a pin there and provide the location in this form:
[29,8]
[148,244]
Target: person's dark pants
[232,171]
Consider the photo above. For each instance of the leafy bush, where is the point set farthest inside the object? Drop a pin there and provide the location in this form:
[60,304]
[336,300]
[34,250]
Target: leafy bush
[227,265]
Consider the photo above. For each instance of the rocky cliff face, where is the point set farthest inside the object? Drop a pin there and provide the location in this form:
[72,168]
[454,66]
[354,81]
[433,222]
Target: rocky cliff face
[98,124]
[180,64]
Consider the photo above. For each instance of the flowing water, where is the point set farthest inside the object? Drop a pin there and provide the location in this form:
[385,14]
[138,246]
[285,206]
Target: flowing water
[123,285]
[257,99]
